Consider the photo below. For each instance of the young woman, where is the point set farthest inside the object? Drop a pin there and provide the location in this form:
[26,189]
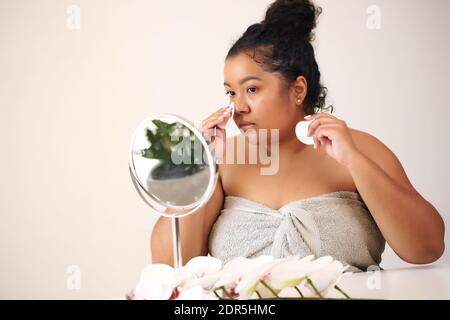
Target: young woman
[345,198]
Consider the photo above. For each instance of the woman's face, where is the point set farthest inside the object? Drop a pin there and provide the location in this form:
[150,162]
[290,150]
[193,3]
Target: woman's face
[261,97]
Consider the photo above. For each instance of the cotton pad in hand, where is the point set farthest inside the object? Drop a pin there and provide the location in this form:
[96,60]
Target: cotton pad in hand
[223,125]
[230,126]
[301,131]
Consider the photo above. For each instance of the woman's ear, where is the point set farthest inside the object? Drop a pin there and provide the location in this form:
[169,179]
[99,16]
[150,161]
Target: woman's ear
[300,90]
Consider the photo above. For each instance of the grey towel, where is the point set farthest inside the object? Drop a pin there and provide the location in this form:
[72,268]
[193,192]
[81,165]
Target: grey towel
[337,224]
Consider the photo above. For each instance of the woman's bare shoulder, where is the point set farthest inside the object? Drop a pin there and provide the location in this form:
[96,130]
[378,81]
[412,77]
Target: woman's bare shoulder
[366,142]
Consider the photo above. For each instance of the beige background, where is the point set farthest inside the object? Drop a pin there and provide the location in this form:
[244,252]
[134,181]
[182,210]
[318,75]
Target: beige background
[70,100]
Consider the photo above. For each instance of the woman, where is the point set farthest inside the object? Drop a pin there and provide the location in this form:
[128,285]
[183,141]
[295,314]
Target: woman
[344,198]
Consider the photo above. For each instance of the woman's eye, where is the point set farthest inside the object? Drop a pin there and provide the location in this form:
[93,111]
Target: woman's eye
[231,93]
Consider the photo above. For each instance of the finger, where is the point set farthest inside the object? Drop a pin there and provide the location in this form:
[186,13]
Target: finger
[327,131]
[316,123]
[211,124]
[323,141]
[316,143]
[320,115]
[221,111]
[217,114]
[215,121]
[214,133]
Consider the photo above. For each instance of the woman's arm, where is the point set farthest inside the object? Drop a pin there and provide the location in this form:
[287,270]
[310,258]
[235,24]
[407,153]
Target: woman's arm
[409,223]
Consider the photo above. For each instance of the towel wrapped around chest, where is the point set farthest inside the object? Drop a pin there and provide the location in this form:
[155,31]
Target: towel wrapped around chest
[337,224]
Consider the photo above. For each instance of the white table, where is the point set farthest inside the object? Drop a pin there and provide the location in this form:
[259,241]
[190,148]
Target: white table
[422,282]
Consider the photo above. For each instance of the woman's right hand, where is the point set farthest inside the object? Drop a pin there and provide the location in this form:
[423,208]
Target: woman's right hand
[212,131]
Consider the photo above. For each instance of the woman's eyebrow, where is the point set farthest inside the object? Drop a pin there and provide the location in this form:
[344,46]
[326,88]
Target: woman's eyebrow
[244,80]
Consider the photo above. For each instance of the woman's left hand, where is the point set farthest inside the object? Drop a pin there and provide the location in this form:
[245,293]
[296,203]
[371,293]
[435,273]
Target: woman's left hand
[334,135]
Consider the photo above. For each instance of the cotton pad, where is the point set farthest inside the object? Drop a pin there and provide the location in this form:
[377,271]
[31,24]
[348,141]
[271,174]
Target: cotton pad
[230,126]
[301,131]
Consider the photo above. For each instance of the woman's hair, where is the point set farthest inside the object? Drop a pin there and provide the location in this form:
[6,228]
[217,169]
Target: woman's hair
[282,43]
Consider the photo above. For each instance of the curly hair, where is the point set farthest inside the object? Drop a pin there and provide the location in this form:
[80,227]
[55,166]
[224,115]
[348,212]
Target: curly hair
[281,44]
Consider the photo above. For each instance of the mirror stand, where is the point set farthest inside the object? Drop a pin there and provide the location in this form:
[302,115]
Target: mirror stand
[176,244]
[177,257]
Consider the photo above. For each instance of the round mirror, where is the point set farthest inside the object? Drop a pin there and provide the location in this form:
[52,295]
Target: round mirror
[171,165]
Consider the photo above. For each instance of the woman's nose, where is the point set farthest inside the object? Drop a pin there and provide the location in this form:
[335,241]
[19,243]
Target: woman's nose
[241,107]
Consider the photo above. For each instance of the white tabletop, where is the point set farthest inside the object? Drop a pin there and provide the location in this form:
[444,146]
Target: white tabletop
[422,282]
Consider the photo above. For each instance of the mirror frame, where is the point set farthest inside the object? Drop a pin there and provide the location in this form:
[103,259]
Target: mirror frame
[142,191]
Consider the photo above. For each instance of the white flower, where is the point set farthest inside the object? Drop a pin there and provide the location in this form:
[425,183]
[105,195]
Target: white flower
[193,281]
[200,266]
[290,272]
[241,278]
[242,274]
[325,278]
[285,272]
[207,282]
[261,271]
[195,293]
[203,271]
[154,283]
[232,272]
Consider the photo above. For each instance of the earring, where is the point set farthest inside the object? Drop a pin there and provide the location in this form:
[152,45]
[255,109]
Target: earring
[299,101]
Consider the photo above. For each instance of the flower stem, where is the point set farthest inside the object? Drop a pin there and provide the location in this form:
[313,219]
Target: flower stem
[314,288]
[298,290]
[226,293]
[342,291]
[258,294]
[268,287]
[217,295]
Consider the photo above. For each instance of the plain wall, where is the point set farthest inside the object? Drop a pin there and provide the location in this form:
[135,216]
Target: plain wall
[70,100]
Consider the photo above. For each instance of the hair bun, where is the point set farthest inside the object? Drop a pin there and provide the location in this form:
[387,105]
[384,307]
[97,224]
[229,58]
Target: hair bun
[297,15]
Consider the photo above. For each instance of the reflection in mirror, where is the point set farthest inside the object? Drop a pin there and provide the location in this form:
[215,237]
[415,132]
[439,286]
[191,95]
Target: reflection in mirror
[179,164]
[172,168]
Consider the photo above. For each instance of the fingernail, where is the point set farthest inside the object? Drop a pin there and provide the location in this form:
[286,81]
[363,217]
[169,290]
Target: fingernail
[307,117]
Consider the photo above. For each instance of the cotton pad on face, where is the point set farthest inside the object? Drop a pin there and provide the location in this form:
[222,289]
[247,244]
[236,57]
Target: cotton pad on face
[301,131]
[230,126]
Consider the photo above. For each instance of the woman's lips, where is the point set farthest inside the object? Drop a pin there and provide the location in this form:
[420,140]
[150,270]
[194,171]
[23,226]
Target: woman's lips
[247,125]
